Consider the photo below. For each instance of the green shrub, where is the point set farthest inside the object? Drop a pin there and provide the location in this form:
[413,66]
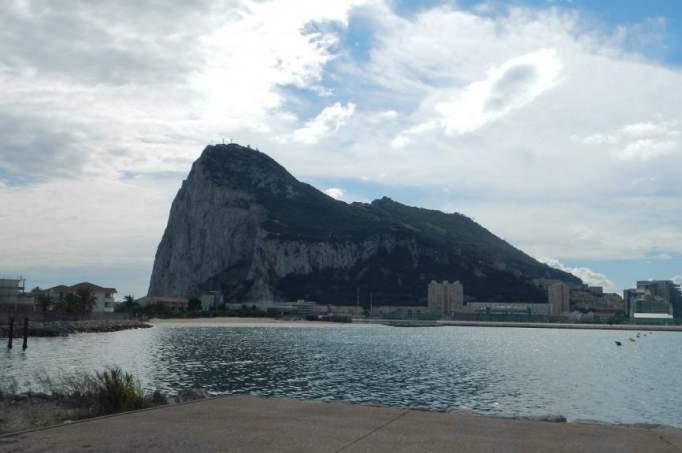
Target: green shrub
[118,391]
[105,392]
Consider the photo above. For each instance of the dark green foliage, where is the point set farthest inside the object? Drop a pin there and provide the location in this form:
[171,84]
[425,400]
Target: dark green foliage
[85,300]
[82,301]
[128,305]
[194,304]
[118,391]
[339,318]
[69,304]
[45,301]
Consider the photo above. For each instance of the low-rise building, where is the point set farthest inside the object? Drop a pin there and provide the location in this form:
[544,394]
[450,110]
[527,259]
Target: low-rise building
[593,299]
[297,308]
[353,311]
[506,308]
[104,297]
[447,299]
[175,304]
[13,296]
[403,312]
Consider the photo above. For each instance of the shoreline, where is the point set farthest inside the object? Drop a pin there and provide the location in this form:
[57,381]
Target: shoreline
[274,424]
[575,326]
[256,322]
[243,322]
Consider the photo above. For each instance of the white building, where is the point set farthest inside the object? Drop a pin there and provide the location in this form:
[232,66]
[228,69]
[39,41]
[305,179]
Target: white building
[13,296]
[104,297]
[445,298]
[559,298]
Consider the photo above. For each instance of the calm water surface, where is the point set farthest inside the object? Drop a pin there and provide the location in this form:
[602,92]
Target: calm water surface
[580,374]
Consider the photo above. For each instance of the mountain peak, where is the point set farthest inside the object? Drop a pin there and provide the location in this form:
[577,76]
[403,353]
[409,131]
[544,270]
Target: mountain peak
[244,226]
[243,167]
[383,201]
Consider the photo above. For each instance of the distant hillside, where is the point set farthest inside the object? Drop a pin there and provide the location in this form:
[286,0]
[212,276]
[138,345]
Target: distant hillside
[242,225]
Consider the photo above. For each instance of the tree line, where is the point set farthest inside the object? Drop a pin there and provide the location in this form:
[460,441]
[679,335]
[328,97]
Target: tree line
[81,301]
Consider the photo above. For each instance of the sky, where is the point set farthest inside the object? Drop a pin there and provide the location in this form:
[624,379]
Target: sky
[555,124]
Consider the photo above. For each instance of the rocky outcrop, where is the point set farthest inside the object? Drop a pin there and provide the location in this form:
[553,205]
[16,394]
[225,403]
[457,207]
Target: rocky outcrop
[242,225]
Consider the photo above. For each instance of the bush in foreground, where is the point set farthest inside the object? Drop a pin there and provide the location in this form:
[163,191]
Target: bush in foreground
[105,392]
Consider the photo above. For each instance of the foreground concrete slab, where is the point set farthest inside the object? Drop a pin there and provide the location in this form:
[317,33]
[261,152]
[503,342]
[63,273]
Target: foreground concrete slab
[249,424]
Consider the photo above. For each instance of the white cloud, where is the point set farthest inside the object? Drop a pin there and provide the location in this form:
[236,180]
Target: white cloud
[84,222]
[387,115]
[510,86]
[400,141]
[644,129]
[639,141]
[647,149]
[334,192]
[617,229]
[144,89]
[540,123]
[328,121]
[600,139]
[267,46]
[677,279]
[586,274]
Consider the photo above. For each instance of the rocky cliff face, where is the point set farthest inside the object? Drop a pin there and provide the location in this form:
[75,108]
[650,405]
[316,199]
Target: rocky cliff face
[242,225]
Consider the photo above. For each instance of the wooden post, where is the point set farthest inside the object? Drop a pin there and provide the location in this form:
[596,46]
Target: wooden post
[11,333]
[25,334]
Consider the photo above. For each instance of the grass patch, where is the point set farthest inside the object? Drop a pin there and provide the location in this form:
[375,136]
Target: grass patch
[46,402]
[104,392]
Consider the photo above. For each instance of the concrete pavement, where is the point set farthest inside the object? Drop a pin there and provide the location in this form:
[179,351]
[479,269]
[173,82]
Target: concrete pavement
[249,424]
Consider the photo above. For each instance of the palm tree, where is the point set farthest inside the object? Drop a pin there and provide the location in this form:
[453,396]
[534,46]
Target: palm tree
[69,303]
[45,301]
[129,305]
[85,300]
[129,301]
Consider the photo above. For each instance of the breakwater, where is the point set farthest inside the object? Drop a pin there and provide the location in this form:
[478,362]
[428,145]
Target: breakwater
[62,328]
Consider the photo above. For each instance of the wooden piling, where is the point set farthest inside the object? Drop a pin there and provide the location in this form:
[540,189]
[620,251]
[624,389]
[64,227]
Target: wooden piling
[11,333]
[25,345]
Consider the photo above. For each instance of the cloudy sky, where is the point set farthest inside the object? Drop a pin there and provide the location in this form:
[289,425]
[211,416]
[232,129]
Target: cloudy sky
[555,124]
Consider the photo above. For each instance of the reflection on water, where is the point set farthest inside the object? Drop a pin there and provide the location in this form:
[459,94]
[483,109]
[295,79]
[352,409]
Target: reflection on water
[577,373]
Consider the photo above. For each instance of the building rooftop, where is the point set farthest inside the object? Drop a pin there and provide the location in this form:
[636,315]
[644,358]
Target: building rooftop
[77,286]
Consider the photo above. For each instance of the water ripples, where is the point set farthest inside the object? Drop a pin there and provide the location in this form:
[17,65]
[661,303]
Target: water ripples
[579,374]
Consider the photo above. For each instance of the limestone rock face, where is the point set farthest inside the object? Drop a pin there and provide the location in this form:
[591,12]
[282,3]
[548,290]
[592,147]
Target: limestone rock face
[242,225]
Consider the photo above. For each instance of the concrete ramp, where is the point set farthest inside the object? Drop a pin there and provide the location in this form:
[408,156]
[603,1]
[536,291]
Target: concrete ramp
[249,424]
